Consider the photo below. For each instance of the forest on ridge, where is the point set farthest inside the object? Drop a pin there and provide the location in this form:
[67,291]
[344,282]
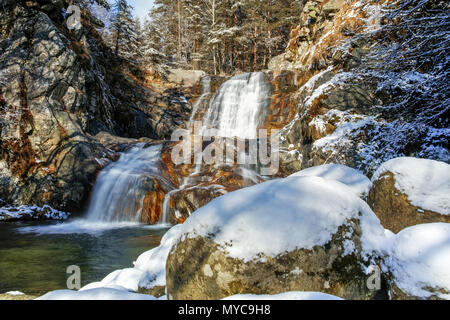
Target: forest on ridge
[217,36]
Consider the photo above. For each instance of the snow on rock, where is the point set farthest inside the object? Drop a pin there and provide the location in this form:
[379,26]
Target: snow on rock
[15,293]
[153,263]
[352,178]
[420,260]
[95,294]
[425,182]
[293,295]
[24,212]
[275,236]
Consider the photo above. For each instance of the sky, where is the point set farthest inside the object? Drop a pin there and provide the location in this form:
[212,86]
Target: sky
[141,7]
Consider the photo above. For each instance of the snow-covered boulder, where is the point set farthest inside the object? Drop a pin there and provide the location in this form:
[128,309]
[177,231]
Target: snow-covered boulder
[352,178]
[292,234]
[410,191]
[420,262]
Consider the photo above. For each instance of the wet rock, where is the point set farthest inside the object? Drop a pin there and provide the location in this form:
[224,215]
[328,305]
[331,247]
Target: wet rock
[186,201]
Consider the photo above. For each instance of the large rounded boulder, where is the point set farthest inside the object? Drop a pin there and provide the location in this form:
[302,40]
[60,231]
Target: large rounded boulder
[410,191]
[294,234]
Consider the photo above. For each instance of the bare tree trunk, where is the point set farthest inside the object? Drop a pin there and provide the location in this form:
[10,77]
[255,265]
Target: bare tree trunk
[213,24]
[179,31]
[255,50]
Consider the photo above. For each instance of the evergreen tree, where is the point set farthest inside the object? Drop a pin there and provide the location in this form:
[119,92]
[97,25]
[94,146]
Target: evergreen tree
[123,27]
[154,46]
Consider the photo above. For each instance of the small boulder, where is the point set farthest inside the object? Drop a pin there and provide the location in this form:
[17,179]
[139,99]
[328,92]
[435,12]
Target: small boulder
[419,262]
[410,191]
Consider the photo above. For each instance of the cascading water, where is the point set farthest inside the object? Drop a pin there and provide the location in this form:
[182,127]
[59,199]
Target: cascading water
[121,187]
[238,108]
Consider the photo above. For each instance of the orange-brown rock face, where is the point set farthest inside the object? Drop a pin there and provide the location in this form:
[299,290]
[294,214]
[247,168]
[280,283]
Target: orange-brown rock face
[283,104]
[152,205]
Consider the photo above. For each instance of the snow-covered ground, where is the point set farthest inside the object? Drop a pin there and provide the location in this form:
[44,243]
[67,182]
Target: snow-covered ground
[121,294]
[425,182]
[96,294]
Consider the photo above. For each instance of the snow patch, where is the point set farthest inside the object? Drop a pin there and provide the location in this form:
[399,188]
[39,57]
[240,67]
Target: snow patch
[95,294]
[352,178]
[293,295]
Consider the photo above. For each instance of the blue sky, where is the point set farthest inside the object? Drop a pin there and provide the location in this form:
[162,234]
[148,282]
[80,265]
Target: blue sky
[141,7]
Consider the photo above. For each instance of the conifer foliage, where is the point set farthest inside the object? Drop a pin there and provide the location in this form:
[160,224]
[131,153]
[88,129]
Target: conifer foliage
[217,36]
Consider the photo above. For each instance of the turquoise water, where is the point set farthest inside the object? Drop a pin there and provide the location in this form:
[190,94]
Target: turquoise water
[34,257]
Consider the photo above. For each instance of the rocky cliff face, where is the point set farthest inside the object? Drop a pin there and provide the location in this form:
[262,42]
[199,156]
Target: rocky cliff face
[371,79]
[58,89]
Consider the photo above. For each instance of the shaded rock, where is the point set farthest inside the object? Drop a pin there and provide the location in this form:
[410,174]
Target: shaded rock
[58,88]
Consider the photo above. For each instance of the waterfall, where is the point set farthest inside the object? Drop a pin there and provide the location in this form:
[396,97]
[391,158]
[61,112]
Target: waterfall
[238,108]
[121,187]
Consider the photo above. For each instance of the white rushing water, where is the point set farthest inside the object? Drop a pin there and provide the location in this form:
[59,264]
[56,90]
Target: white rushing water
[238,108]
[121,187]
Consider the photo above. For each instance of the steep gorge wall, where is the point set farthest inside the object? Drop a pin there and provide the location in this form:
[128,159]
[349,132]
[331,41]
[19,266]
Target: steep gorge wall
[58,89]
[370,83]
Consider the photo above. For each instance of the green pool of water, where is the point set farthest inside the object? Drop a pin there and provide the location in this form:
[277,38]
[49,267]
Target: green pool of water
[34,257]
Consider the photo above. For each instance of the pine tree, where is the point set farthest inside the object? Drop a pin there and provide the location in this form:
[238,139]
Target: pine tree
[154,46]
[123,27]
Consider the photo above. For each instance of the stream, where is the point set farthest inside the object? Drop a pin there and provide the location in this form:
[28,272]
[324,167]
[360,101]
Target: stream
[34,256]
